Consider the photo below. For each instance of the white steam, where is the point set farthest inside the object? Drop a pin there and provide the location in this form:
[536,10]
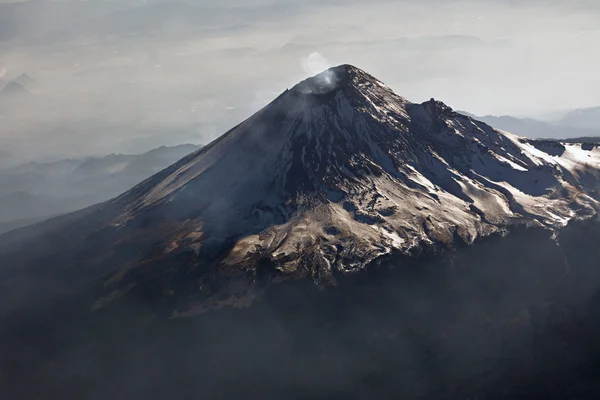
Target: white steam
[315,63]
[319,68]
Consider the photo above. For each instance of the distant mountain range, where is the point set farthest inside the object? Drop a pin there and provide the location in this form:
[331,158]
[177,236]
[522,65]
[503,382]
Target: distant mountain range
[576,124]
[34,191]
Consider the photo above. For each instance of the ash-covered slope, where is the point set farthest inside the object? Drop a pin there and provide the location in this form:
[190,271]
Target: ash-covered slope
[334,174]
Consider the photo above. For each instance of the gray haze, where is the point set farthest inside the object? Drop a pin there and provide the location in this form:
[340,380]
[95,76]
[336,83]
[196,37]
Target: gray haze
[35,191]
[128,76]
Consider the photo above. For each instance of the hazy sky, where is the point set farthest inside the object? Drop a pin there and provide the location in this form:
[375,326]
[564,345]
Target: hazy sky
[126,76]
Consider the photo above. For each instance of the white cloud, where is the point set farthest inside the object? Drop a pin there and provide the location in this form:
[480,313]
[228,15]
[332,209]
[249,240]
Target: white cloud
[97,85]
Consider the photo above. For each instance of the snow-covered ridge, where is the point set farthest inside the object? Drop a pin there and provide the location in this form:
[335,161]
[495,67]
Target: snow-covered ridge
[339,171]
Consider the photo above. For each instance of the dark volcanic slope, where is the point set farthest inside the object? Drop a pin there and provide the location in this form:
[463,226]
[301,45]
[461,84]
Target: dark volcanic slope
[334,174]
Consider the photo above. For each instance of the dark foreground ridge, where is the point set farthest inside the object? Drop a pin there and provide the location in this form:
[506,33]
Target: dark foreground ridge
[343,242]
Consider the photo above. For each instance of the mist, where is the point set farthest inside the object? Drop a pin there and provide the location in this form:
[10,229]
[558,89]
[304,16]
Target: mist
[126,77]
[510,317]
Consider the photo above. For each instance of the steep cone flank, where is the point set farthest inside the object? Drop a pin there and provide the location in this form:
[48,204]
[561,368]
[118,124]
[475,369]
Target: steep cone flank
[334,174]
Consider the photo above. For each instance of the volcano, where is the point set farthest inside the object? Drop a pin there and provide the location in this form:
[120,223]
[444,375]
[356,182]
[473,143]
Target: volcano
[335,175]
[341,243]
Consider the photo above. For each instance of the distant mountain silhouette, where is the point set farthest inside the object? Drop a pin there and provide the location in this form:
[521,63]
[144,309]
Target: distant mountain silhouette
[17,89]
[13,89]
[24,80]
[586,118]
[35,191]
[533,128]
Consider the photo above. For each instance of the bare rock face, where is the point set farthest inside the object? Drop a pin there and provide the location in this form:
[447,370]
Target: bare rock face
[334,175]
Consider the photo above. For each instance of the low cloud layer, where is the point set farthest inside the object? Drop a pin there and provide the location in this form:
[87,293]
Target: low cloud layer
[132,75]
